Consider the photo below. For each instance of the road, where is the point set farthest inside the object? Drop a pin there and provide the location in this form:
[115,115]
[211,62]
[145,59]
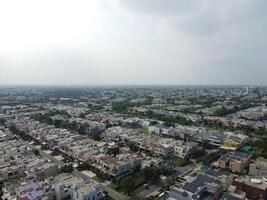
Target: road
[114,194]
[152,189]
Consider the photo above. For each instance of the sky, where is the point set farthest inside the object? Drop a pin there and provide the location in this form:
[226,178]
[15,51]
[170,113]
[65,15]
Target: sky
[133,42]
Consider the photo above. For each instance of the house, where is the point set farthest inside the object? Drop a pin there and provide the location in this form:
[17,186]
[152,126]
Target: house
[214,138]
[234,141]
[31,191]
[68,186]
[235,161]
[11,172]
[111,166]
[255,188]
[45,171]
[88,192]
[233,194]
[185,149]
[154,129]
[197,185]
[258,168]
[160,129]
[167,131]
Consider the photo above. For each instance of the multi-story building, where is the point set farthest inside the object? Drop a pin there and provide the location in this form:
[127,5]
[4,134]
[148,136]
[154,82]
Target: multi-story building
[11,172]
[185,149]
[70,187]
[258,168]
[255,188]
[234,141]
[235,161]
[111,166]
[197,185]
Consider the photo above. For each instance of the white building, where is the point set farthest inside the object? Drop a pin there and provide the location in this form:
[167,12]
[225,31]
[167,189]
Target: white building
[185,149]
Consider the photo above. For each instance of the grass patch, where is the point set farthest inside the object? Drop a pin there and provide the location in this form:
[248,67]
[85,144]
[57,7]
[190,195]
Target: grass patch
[137,190]
[144,130]
[115,186]
[98,179]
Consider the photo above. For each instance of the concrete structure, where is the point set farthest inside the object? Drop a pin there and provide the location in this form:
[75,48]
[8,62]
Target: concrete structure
[255,189]
[258,168]
[69,187]
[235,161]
[198,185]
[11,172]
[185,149]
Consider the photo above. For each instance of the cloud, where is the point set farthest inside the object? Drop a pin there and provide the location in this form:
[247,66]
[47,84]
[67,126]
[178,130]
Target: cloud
[133,42]
[160,7]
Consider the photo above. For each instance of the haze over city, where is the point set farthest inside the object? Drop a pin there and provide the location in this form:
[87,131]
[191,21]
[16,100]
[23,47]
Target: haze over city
[129,42]
[133,100]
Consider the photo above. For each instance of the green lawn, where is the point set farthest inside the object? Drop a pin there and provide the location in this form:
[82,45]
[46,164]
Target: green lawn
[98,179]
[137,190]
[115,186]
[144,130]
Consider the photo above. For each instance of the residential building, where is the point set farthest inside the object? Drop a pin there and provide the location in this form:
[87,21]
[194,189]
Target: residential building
[255,188]
[235,161]
[258,168]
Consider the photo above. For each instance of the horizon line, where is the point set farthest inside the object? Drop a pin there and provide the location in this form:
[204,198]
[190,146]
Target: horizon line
[129,85]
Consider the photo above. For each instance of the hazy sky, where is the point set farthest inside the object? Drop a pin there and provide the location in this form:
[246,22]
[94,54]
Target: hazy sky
[133,42]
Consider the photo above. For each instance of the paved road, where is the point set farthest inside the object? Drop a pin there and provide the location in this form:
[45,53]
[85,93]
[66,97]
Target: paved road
[152,189]
[114,194]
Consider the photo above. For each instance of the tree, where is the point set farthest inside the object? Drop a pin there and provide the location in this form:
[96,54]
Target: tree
[83,166]
[149,198]
[153,123]
[127,184]
[168,123]
[36,152]
[169,182]
[150,174]
[82,115]
[132,146]
[2,121]
[108,124]
[97,136]
[67,168]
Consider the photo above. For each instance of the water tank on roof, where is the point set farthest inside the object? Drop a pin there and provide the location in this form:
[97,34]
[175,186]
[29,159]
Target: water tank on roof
[257,181]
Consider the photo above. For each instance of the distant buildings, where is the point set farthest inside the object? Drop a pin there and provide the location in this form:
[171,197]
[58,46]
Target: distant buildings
[160,129]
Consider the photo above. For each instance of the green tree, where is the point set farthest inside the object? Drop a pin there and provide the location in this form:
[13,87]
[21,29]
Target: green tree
[153,123]
[150,174]
[36,152]
[83,166]
[67,168]
[127,184]
[132,146]
[97,136]
[82,115]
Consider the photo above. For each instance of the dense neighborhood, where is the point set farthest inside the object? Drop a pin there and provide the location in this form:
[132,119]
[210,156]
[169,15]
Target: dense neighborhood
[153,143]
